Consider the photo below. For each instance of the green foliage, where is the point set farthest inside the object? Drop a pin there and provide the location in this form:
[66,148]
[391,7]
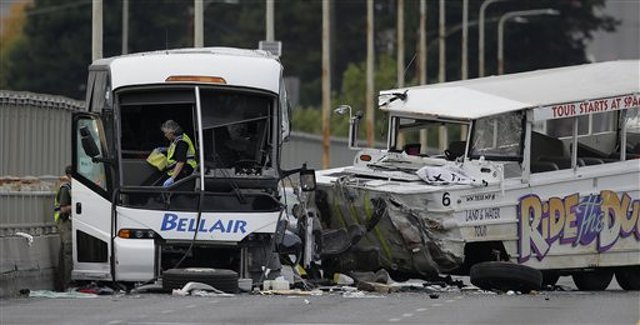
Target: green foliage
[54,53]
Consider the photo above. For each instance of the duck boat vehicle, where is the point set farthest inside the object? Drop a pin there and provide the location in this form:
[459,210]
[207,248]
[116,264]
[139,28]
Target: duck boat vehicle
[540,178]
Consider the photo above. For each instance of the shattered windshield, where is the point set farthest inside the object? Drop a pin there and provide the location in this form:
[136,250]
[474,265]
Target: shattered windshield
[498,137]
[235,128]
[427,137]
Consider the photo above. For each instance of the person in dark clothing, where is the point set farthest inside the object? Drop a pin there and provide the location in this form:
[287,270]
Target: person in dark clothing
[181,155]
[62,217]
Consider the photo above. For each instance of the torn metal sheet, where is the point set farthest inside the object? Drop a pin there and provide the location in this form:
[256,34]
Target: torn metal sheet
[401,235]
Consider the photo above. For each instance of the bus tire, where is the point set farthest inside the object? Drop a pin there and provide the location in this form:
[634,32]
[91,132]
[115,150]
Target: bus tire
[505,276]
[628,277]
[550,278]
[595,280]
[221,279]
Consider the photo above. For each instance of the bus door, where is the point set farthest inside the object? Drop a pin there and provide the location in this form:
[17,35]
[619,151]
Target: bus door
[91,206]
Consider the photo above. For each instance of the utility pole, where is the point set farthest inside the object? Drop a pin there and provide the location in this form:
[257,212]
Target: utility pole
[96,30]
[326,81]
[269,21]
[465,54]
[422,44]
[400,31]
[465,39]
[370,84]
[442,44]
[442,130]
[125,26]
[198,23]
[400,49]
[422,64]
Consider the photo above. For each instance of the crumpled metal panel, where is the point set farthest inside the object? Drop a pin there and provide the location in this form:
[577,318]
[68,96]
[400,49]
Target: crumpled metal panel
[405,234]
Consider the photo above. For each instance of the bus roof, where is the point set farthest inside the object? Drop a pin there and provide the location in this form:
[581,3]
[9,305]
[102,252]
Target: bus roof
[482,97]
[238,67]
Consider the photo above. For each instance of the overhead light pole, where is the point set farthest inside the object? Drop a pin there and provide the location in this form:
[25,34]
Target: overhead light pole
[270,37]
[326,81]
[483,8]
[510,15]
[198,23]
[370,77]
[96,30]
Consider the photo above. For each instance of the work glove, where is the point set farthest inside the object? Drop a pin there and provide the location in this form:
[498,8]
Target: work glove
[168,182]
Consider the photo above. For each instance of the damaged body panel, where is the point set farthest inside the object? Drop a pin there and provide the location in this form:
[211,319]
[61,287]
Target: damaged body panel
[528,169]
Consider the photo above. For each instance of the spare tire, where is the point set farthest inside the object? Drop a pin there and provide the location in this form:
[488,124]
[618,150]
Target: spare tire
[221,279]
[505,276]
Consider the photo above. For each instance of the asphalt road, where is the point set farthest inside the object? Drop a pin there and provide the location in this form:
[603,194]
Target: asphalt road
[613,306]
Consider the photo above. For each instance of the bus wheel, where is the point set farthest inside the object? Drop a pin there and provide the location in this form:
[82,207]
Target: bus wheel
[628,277]
[550,278]
[595,280]
[505,276]
[221,279]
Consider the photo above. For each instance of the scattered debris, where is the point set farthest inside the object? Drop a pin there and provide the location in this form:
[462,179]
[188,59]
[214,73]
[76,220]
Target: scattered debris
[67,294]
[434,296]
[155,287]
[359,294]
[342,279]
[200,290]
[293,292]
[26,236]
[381,276]
[375,287]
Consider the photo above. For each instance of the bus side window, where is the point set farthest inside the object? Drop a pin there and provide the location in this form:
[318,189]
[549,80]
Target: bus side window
[92,171]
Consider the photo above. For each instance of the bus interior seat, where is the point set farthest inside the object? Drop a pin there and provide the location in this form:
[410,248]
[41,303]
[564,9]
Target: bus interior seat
[412,149]
[543,166]
[456,149]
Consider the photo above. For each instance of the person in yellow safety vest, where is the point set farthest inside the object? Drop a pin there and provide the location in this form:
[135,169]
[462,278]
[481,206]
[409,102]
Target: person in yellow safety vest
[62,217]
[181,154]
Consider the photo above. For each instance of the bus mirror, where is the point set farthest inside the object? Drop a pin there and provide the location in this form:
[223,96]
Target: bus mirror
[307,179]
[88,143]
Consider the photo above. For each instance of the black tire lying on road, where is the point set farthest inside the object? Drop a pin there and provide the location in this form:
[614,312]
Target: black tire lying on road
[595,280]
[505,276]
[628,277]
[550,278]
[221,279]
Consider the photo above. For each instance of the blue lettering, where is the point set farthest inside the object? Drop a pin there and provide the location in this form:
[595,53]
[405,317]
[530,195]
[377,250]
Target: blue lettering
[192,224]
[217,226]
[169,221]
[240,224]
[182,224]
[202,228]
[229,225]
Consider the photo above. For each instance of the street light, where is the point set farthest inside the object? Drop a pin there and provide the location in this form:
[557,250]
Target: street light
[483,8]
[514,14]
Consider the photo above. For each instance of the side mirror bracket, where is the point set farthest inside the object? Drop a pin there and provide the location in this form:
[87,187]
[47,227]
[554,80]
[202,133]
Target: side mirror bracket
[354,123]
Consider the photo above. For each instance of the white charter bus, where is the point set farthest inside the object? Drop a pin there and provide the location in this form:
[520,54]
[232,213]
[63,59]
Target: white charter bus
[232,103]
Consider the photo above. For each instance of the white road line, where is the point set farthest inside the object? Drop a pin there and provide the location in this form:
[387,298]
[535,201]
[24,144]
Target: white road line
[115,322]
[421,309]
[436,305]
[167,311]
[407,315]
[449,301]
[189,306]
[393,320]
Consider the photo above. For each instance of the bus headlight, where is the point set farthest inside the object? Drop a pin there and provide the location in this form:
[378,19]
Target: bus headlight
[136,233]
